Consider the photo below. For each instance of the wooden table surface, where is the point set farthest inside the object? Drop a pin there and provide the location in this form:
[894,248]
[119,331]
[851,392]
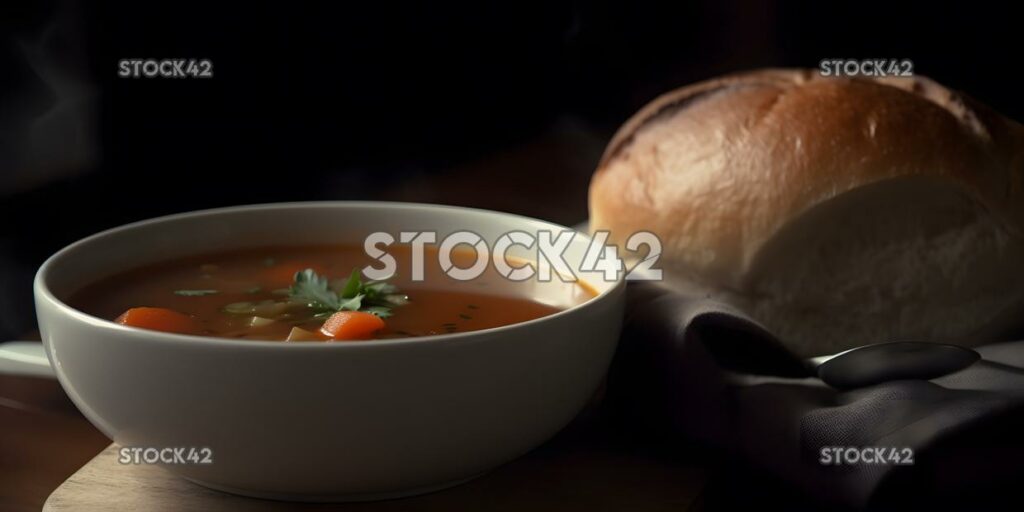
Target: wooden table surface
[573,472]
[43,440]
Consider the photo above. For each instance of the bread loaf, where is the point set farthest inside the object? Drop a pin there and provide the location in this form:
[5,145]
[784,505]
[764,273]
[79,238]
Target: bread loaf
[837,211]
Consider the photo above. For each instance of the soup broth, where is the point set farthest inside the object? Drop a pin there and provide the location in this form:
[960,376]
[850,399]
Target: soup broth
[295,293]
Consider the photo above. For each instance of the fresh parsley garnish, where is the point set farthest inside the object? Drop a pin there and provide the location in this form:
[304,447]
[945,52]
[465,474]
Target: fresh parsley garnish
[194,293]
[314,290]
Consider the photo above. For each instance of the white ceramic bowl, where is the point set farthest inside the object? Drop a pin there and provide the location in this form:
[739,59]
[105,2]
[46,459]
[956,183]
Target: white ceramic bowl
[322,422]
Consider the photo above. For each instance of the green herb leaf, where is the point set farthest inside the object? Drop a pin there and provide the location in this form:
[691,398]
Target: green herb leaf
[353,285]
[194,293]
[380,311]
[381,287]
[314,291]
[352,304]
[379,293]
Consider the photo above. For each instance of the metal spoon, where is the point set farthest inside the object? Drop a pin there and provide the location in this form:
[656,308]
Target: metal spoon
[884,362]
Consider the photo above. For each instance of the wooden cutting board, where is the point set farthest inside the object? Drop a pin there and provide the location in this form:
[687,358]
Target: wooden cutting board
[565,474]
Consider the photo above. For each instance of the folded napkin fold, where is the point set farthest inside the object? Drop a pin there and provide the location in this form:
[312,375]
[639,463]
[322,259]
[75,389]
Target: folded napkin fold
[693,367]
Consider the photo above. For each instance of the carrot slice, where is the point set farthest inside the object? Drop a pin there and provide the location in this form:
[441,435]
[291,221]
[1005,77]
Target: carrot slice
[159,319]
[352,325]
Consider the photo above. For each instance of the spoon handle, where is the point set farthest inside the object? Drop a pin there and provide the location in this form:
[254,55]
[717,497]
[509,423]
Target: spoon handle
[884,362]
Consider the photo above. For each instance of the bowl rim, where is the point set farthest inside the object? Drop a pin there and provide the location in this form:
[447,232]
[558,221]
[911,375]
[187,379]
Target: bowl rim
[42,291]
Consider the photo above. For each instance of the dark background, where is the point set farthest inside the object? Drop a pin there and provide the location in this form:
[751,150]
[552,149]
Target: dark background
[506,106]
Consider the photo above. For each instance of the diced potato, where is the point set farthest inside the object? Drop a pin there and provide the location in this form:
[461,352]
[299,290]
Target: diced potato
[259,321]
[299,334]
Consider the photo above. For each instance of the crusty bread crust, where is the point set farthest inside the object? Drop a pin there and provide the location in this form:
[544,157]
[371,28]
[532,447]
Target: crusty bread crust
[717,169]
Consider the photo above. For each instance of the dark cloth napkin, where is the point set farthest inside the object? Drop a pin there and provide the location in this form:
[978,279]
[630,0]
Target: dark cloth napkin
[703,371]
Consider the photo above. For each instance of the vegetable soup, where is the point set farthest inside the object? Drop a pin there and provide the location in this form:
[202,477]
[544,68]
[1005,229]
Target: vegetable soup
[317,293]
